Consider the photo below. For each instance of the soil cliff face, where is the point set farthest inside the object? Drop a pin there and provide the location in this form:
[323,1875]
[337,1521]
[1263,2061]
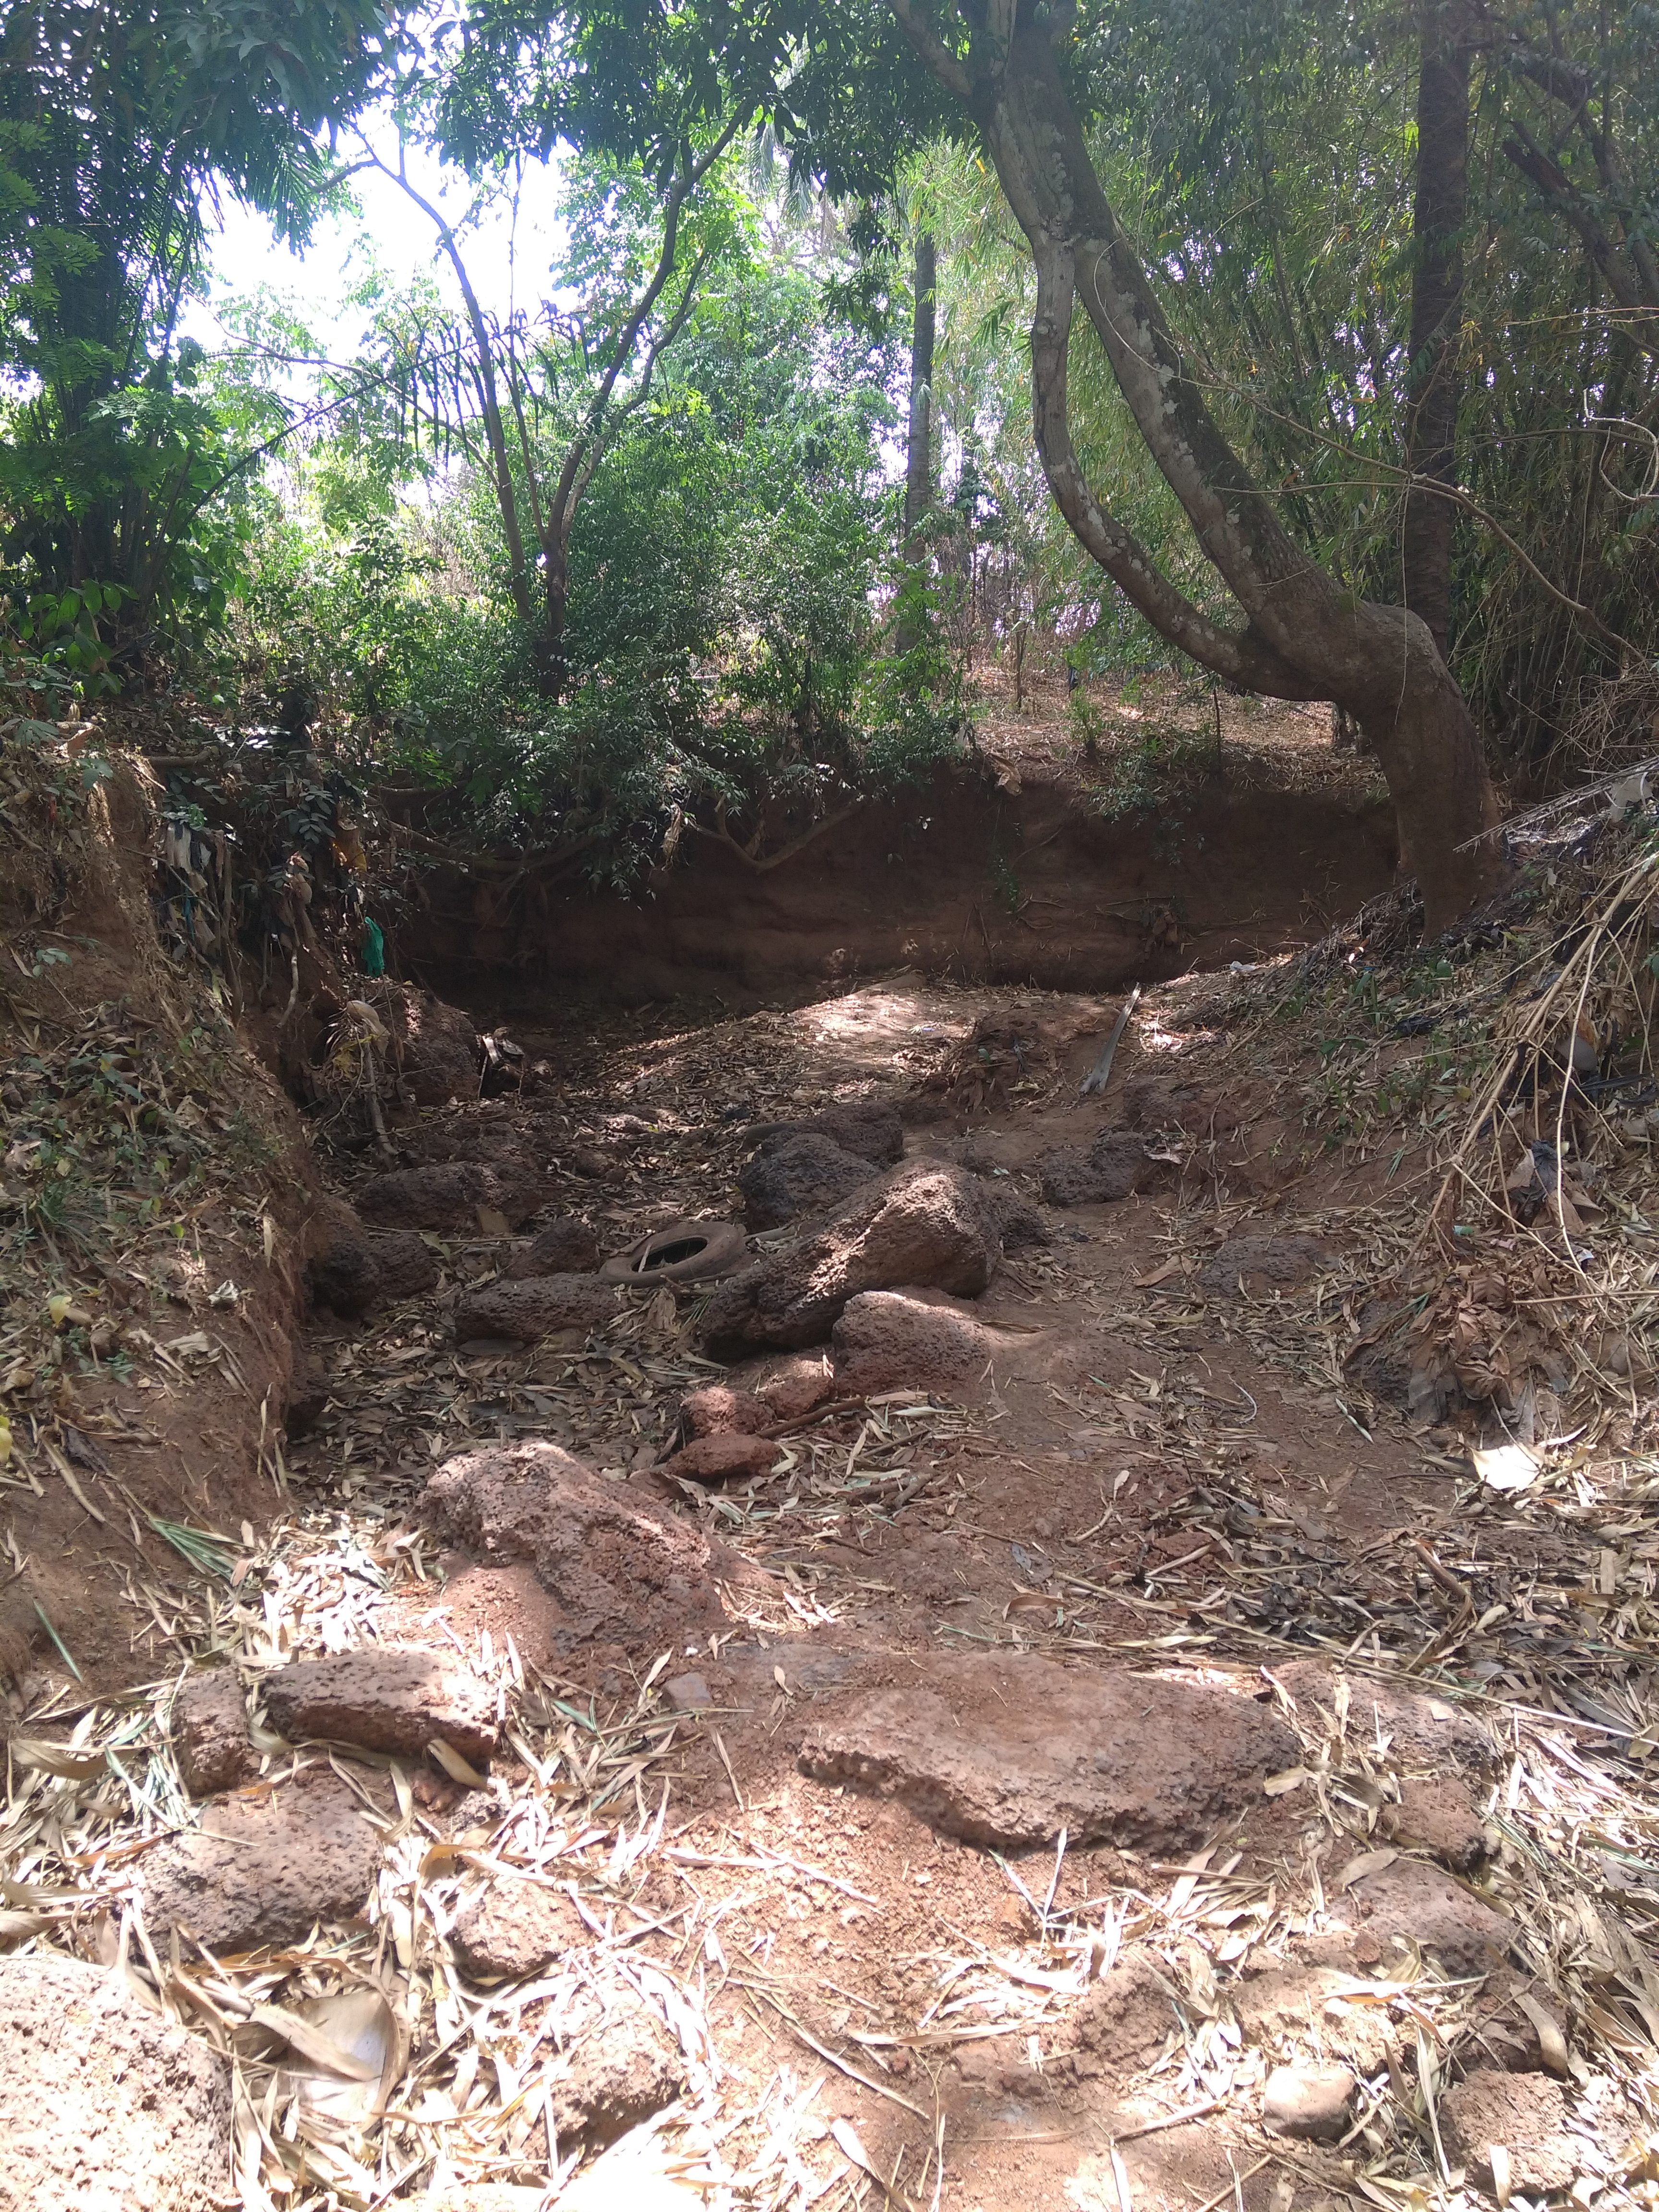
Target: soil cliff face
[962,877]
[153,1181]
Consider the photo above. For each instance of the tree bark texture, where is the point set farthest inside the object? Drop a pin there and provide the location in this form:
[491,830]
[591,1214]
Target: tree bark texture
[1303,636]
[1434,378]
[919,451]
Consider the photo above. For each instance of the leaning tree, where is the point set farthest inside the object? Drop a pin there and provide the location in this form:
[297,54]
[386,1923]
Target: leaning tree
[1301,634]
[852,86]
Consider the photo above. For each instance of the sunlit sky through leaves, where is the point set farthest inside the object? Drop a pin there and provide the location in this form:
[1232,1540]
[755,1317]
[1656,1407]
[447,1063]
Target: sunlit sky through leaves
[507,250]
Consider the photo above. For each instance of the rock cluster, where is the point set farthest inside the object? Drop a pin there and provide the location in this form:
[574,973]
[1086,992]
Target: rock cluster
[924,1224]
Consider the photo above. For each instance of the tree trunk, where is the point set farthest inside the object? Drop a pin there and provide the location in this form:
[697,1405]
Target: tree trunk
[1304,636]
[918,449]
[919,452]
[552,671]
[1434,386]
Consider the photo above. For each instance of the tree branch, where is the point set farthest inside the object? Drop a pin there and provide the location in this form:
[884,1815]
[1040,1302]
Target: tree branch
[1553,185]
[519,576]
[1244,659]
[1033,136]
[639,396]
[561,505]
[526,864]
[759,866]
[934,51]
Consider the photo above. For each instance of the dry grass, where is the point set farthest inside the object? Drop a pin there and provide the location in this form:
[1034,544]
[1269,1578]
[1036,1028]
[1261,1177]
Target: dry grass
[367,2068]
[371,2068]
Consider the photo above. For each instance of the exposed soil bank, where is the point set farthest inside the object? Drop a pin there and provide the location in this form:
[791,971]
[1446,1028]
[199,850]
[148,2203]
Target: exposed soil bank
[154,1182]
[964,878]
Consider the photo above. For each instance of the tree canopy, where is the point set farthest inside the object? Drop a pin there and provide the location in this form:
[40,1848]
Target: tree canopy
[1312,342]
[117,127]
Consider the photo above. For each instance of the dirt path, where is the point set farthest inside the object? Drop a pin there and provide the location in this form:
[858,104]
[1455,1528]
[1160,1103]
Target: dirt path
[1124,1770]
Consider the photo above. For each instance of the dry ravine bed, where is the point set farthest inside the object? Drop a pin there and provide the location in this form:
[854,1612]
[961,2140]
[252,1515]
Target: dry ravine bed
[1067,1739]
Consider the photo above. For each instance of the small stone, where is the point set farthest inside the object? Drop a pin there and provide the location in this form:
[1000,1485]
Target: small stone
[104,2105]
[514,1929]
[210,1734]
[618,2063]
[688,1694]
[528,1310]
[719,1411]
[798,1388]
[263,1869]
[1526,2114]
[393,1701]
[1307,2100]
[565,1247]
[723,1458]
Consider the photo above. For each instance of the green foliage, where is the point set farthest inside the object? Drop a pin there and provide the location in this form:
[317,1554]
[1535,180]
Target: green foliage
[115,123]
[725,646]
[1085,722]
[1269,147]
[1157,777]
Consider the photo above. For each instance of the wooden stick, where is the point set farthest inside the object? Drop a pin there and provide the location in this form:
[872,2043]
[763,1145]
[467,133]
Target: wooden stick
[1100,1074]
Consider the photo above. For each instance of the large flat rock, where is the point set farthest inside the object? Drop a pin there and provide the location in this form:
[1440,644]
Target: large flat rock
[384,1700]
[1407,1903]
[1424,1734]
[262,1869]
[447,1194]
[1006,1753]
[887,1341]
[104,2106]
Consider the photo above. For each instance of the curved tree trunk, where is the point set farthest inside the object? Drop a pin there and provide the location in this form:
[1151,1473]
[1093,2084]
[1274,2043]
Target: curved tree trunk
[1304,636]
